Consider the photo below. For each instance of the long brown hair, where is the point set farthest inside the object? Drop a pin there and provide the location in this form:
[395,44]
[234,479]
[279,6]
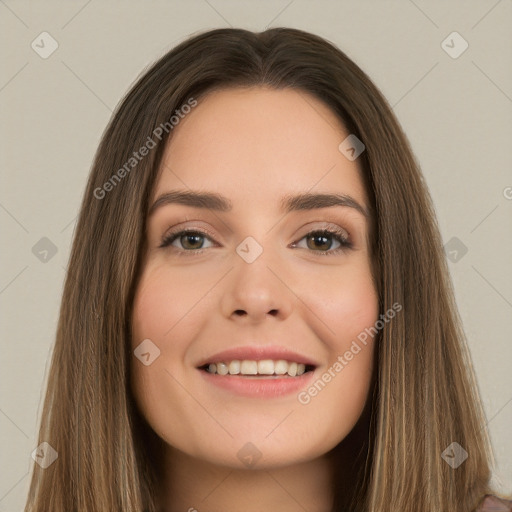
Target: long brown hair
[425,396]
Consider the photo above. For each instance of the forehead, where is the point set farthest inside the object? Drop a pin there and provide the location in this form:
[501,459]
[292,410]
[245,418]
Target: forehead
[259,144]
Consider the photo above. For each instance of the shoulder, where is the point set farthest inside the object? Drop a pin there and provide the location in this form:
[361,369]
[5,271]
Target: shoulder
[491,503]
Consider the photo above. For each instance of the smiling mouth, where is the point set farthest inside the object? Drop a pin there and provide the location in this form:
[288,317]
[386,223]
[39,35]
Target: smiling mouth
[265,368]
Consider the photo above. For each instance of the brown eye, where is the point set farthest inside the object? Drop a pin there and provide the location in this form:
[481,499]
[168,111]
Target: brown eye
[188,239]
[191,241]
[320,241]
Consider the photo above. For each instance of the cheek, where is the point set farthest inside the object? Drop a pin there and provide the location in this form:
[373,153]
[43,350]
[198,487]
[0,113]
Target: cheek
[163,300]
[170,309]
[348,307]
[347,304]
[151,313]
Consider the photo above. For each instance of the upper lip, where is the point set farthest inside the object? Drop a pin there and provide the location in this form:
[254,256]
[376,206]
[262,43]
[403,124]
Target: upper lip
[257,353]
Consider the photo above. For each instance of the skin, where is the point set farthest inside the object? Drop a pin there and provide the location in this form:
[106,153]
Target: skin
[253,146]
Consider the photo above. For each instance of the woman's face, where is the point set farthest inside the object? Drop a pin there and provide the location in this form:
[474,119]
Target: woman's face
[255,281]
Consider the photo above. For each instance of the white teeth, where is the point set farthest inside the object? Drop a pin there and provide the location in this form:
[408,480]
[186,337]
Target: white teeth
[263,367]
[249,368]
[222,369]
[234,367]
[280,367]
[266,367]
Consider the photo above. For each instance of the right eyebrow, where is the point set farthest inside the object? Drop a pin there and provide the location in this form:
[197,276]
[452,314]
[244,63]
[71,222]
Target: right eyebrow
[209,200]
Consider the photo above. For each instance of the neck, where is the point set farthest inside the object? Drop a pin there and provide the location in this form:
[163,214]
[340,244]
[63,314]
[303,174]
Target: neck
[195,485]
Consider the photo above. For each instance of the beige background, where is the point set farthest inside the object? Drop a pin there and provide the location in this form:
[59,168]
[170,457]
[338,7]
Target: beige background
[456,112]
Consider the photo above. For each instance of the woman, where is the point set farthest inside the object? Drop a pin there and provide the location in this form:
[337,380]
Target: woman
[257,312]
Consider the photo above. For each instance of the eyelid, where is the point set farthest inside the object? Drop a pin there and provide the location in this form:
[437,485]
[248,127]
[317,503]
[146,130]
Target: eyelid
[183,224]
[325,226]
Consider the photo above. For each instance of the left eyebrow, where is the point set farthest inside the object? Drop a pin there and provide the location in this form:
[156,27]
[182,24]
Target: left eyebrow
[289,203]
[308,201]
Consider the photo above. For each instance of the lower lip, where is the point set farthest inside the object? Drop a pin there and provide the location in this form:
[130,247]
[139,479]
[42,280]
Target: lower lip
[259,387]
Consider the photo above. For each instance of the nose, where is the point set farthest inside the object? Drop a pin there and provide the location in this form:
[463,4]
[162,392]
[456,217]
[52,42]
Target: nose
[256,291]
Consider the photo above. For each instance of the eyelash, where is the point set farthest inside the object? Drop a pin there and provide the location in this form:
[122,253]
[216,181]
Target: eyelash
[337,234]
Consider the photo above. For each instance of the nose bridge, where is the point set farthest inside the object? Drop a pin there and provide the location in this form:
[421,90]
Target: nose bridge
[254,288]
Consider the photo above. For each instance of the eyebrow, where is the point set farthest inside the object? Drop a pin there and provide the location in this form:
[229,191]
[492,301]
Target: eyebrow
[289,203]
